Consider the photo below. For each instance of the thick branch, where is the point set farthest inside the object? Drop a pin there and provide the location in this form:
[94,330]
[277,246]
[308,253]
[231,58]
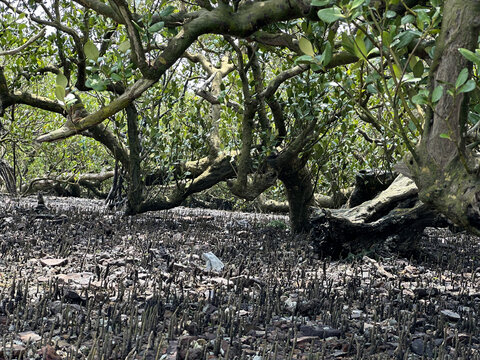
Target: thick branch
[278,40]
[282,77]
[220,170]
[208,96]
[216,76]
[218,21]
[102,9]
[131,93]
[449,114]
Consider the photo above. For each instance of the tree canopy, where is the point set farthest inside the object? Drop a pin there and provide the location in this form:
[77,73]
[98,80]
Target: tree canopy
[184,95]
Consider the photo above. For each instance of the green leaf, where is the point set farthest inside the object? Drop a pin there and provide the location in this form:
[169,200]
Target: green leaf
[397,71]
[462,77]
[422,19]
[407,19]
[315,67]
[411,126]
[372,89]
[116,77]
[167,11]
[330,15]
[390,14]
[60,92]
[473,118]
[445,136]
[304,59]
[386,38]
[96,84]
[469,55]
[306,47]
[419,99]
[124,46]
[347,43]
[156,27]
[100,86]
[61,80]
[468,86]
[91,51]
[409,78]
[437,93]
[418,69]
[327,54]
[360,47]
[357,3]
[320,2]
[405,38]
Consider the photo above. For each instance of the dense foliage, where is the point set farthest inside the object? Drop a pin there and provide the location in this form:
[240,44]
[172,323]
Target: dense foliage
[184,95]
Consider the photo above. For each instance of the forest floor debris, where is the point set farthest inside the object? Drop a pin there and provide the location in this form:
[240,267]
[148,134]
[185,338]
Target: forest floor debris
[80,282]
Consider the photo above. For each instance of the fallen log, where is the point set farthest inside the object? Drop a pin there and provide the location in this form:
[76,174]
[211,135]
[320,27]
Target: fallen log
[394,220]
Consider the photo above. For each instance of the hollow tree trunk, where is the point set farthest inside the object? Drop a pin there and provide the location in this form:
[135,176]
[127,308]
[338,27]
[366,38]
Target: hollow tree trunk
[444,171]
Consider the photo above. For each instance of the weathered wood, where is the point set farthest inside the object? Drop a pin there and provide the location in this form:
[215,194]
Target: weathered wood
[394,219]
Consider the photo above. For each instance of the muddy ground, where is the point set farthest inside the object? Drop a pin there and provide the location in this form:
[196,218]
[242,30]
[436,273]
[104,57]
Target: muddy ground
[80,282]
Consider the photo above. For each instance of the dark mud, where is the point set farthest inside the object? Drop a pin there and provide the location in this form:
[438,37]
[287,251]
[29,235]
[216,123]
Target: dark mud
[80,282]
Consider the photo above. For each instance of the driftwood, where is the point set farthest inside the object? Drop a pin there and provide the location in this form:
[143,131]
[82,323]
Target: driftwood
[393,220]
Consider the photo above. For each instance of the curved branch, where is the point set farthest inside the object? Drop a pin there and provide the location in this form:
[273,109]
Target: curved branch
[65,29]
[102,9]
[219,21]
[208,96]
[7,99]
[277,40]
[220,169]
[138,53]
[105,136]
[115,106]
[202,60]
[24,46]
[282,77]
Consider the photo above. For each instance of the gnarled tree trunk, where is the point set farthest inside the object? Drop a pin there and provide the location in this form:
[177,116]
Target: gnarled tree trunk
[443,169]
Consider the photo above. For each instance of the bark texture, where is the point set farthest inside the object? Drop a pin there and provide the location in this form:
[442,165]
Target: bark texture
[444,171]
[299,188]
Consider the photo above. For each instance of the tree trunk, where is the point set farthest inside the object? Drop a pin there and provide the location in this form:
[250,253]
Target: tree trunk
[298,186]
[445,173]
[135,185]
[7,175]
